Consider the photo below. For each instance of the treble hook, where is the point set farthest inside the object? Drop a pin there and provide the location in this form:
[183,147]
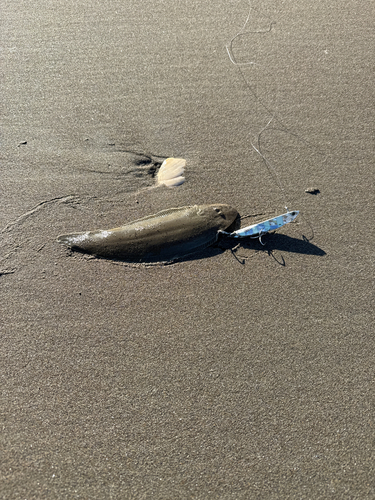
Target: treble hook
[260,239]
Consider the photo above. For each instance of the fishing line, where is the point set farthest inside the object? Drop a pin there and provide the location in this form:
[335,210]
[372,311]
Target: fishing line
[268,164]
[258,147]
[274,118]
[229,47]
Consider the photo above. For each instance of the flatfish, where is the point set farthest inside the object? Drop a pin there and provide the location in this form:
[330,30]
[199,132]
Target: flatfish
[162,237]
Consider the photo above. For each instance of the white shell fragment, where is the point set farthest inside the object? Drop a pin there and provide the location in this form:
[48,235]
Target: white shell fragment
[171,172]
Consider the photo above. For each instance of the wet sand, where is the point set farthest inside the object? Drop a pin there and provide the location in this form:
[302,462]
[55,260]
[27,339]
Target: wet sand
[238,372]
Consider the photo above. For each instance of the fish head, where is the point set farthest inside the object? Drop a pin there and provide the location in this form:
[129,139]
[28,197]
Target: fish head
[222,216]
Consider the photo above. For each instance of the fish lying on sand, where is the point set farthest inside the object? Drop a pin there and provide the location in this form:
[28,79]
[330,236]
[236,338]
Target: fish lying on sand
[165,236]
[173,233]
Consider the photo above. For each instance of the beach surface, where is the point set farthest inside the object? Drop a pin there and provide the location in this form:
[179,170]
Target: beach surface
[238,372]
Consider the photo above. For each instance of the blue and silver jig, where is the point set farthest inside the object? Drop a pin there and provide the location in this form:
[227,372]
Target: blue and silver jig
[258,230]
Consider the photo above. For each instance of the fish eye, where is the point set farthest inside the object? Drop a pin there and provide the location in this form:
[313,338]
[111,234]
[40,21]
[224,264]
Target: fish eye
[219,212]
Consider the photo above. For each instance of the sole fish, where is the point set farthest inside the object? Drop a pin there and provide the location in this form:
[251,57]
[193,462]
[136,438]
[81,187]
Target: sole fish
[162,237]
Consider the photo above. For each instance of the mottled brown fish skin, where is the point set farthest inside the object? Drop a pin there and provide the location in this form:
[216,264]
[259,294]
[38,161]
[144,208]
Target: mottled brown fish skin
[164,236]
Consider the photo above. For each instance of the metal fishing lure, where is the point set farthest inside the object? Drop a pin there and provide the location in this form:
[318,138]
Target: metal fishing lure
[258,230]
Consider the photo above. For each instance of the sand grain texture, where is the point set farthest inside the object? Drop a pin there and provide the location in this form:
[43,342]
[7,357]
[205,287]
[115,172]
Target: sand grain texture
[227,375]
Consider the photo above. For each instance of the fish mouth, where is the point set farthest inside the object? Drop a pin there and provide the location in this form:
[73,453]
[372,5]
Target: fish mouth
[236,224]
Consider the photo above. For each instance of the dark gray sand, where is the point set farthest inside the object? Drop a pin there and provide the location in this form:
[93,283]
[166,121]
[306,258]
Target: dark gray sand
[232,374]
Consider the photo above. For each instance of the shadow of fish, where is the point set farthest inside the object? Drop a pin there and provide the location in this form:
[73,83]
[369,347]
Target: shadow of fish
[163,237]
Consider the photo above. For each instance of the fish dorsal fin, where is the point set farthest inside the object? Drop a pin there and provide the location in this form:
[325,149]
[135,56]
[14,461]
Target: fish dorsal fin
[171,172]
[167,211]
